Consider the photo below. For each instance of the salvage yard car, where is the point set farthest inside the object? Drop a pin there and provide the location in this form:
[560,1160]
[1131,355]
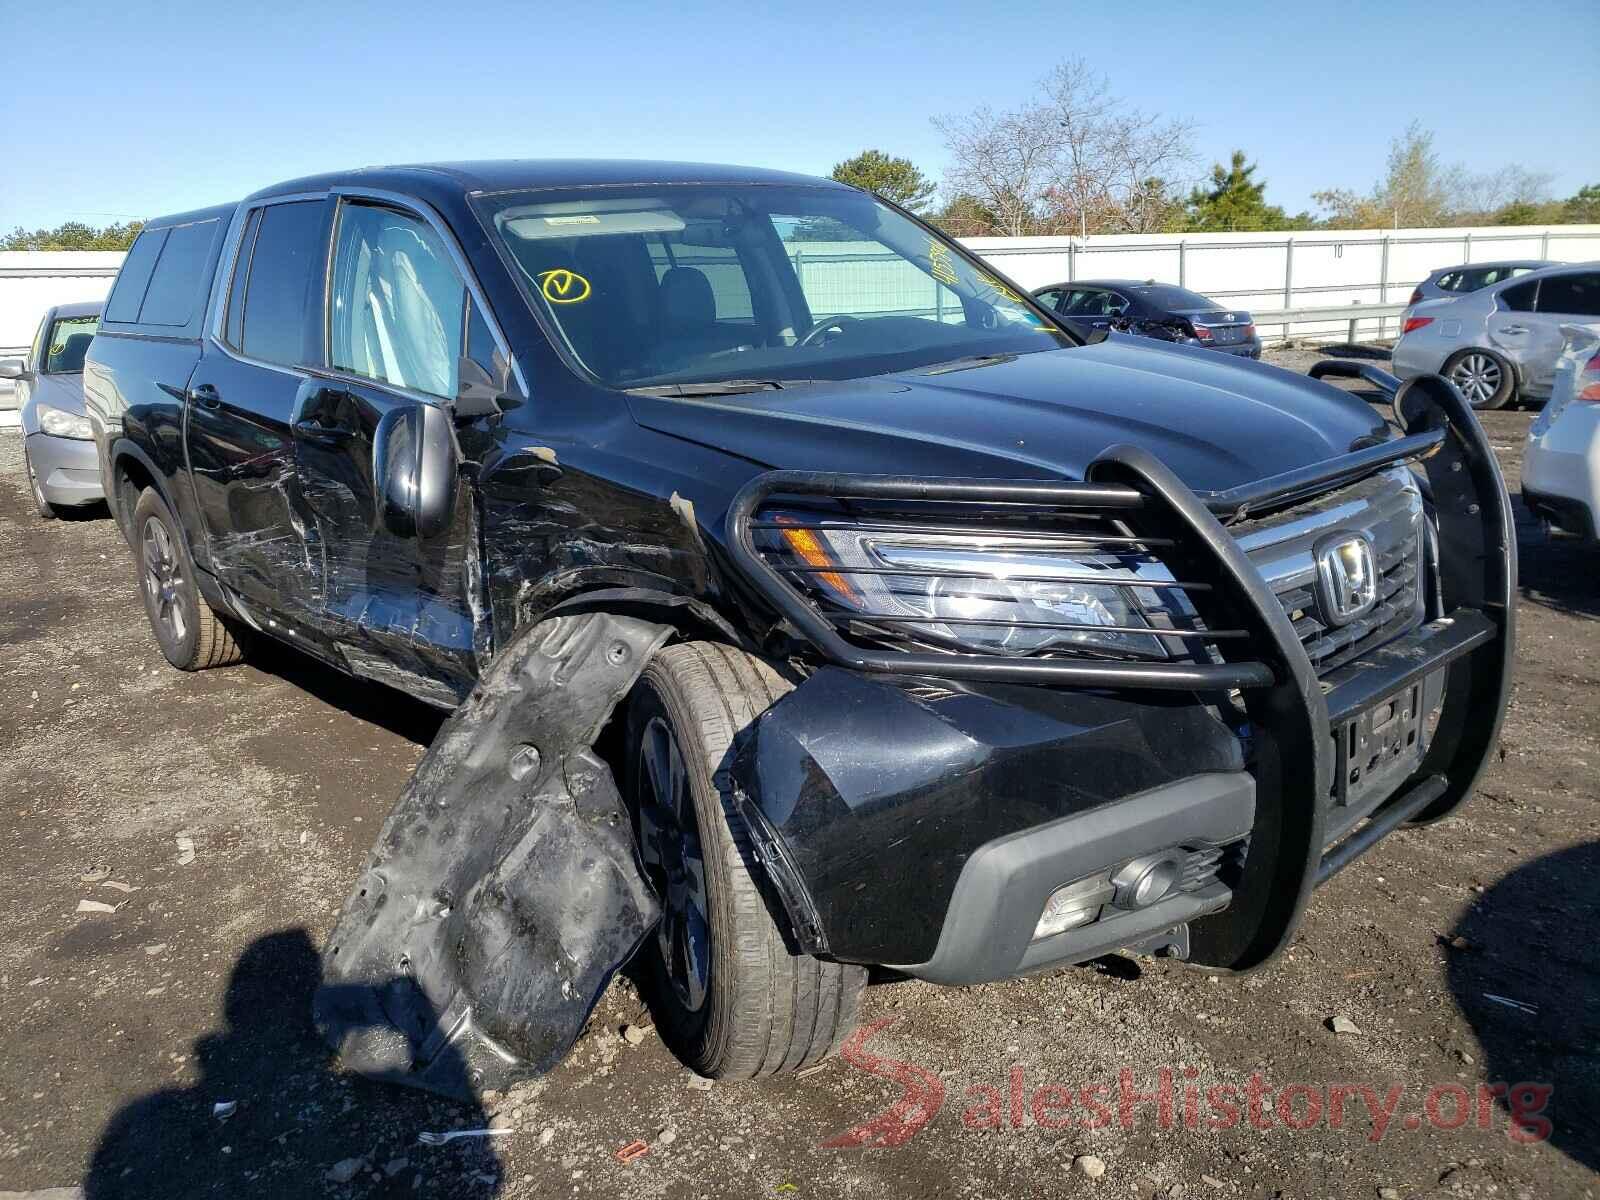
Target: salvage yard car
[1501,342]
[1156,310]
[58,454]
[788,634]
[1561,456]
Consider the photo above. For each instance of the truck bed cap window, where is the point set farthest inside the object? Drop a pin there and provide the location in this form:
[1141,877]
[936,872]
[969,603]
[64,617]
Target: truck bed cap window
[127,294]
[179,281]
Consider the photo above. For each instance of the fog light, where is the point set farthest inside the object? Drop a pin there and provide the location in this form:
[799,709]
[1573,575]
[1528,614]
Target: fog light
[1145,880]
[1073,905]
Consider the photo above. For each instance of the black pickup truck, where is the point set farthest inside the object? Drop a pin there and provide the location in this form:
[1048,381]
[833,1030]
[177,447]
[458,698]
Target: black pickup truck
[808,599]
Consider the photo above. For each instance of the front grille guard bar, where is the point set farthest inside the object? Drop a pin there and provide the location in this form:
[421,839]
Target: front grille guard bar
[1293,752]
[1175,524]
[1127,502]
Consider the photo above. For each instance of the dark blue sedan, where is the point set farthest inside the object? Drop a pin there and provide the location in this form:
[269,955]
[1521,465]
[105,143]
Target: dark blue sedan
[1158,310]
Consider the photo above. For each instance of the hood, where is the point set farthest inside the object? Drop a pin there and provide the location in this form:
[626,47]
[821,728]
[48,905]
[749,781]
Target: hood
[1215,420]
[63,391]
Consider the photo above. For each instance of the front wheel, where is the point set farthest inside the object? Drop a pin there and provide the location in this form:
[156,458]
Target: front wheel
[731,999]
[1484,380]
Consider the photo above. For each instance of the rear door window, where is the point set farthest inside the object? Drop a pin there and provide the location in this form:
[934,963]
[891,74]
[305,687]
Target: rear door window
[1578,295]
[128,292]
[1085,302]
[177,284]
[1519,298]
[286,260]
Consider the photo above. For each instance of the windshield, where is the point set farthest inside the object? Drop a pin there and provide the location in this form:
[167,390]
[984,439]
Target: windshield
[69,342]
[698,284]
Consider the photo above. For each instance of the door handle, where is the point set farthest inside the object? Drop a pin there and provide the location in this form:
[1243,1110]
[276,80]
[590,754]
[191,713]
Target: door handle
[322,414]
[333,435]
[206,396]
[1513,329]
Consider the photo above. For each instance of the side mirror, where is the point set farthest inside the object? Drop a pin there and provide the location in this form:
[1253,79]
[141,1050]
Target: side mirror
[12,368]
[414,470]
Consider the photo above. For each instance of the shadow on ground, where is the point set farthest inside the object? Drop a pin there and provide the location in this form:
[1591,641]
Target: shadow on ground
[98,511]
[1525,972]
[1378,354]
[400,714]
[1557,572]
[298,1129]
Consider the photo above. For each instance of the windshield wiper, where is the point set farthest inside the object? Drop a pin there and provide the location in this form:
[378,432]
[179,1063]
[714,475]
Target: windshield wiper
[967,363]
[716,387]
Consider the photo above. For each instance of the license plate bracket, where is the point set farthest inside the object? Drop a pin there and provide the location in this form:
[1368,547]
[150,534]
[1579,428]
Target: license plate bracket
[1379,748]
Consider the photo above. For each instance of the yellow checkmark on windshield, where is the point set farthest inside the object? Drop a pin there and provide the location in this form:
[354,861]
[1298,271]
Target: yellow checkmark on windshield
[562,286]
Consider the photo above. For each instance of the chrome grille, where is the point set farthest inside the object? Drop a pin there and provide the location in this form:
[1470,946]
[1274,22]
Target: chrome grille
[1388,509]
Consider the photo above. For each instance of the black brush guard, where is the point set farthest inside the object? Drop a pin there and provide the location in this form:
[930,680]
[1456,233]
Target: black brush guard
[1291,710]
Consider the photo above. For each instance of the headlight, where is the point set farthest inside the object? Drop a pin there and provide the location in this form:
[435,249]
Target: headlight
[993,594]
[59,423]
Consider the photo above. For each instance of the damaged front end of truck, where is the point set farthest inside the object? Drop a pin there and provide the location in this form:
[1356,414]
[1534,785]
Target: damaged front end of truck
[503,891]
[956,809]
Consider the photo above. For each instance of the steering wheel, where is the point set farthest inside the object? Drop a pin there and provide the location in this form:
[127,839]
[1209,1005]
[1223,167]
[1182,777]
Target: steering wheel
[813,336]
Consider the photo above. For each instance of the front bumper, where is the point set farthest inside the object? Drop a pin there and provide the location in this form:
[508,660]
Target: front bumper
[1561,472]
[67,468]
[917,809]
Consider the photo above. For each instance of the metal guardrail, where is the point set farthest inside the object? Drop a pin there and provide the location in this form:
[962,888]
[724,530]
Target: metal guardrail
[59,272]
[1353,313]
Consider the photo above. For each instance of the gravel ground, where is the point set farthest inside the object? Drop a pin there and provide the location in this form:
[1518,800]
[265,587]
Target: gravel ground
[1461,954]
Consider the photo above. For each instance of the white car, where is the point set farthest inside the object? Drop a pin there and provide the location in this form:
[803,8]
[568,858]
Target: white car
[1502,341]
[1561,461]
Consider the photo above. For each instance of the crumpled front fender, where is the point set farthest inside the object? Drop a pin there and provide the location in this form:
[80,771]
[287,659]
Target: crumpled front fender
[503,891]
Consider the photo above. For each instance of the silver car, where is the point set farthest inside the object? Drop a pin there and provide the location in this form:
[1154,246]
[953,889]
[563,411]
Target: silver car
[58,445]
[1447,282]
[1500,342]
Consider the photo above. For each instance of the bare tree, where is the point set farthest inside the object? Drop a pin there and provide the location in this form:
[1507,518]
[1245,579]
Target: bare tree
[1480,195]
[1116,161]
[1080,157]
[1005,161]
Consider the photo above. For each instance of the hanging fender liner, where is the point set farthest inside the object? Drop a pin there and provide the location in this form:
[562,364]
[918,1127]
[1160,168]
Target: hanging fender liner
[503,891]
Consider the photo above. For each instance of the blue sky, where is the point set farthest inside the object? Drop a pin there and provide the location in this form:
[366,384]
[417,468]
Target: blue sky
[138,108]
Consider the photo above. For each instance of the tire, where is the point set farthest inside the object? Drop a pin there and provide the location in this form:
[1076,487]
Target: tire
[191,635]
[1484,379]
[752,1007]
[46,509]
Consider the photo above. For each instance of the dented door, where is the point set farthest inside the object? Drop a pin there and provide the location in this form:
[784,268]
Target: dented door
[239,406]
[242,464]
[350,438]
[378,458]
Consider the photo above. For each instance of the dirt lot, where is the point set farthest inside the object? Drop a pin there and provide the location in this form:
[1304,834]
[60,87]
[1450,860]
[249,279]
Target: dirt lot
[1464,954]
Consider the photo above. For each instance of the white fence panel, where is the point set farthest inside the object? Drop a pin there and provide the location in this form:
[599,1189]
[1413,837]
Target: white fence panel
[33,281]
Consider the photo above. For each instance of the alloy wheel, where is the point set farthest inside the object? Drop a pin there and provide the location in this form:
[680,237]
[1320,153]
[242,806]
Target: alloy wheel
[669,846]
[1477,377]
[163,579]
